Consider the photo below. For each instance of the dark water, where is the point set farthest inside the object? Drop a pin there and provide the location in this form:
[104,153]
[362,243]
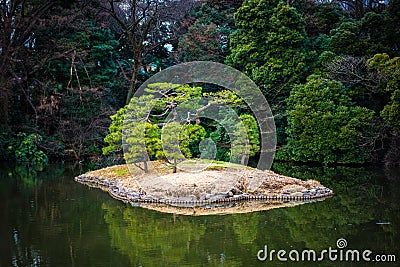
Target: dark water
[50,220]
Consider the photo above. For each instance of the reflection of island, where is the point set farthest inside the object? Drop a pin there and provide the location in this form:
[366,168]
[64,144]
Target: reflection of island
[65,216]
[234,239]
[212,189]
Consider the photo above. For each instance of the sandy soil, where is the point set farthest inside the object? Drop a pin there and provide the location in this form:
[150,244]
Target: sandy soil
[246,180]
[208,185]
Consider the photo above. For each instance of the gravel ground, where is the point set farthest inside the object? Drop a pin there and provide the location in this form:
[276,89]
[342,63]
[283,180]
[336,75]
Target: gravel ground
[226,190]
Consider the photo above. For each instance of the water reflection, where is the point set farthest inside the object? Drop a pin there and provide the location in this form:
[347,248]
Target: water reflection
[49,220]
[233,240]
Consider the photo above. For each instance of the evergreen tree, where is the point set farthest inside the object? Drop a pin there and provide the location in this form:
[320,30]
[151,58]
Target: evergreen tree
[325,126]
[195,133]
[393,26]
[208,37]
[391,68]
[175,143]
[114,138]
[269,46]
[247,140]
[137,132]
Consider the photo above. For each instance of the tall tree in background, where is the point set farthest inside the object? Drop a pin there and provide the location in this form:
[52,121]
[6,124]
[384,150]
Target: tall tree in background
[390,68]
[324,125]
[393,32]
[270,46]
[18,20]
[57,75]
[147,25]
[320,16]
[358,8]
[208,37]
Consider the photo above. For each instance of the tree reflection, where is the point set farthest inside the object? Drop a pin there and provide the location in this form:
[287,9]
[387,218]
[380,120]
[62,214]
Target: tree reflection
[51,220]
[148,238]
[362,198]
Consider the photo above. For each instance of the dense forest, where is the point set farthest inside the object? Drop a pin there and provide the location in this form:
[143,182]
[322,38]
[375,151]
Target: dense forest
[330,71]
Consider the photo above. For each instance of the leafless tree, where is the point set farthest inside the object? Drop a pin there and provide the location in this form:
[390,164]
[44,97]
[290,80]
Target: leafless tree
[357,8]
[17,20]
[148,24]
[20,20]
[354,71]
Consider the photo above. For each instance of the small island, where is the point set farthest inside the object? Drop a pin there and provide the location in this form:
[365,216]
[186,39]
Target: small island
[200,193]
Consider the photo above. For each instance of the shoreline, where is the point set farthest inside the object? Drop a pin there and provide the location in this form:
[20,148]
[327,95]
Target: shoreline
[274,189]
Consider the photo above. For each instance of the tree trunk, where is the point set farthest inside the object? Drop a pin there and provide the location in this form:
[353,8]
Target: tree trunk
[174,171]
[4,102]
[243,160]
[132,86]
[359,9]
[136,65]
[145,168]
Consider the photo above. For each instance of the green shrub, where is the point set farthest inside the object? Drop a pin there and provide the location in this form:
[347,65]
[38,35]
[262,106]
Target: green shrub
[325,126]
[28,153]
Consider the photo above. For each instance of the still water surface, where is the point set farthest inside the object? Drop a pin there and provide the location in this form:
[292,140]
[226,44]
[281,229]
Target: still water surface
[50,220]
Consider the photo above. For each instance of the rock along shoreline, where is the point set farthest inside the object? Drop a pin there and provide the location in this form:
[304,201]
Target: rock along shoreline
[306,192]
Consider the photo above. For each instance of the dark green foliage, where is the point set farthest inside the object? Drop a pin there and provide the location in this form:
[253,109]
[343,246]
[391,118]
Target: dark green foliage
[114,138]
[347,39]
[269,45]
[79,91]
[208,37]
[92,62]
[221,138]
[245,142]
[321,17]
[392,27]
[178,138]
[374,29]
[66,70]
[391,112]
[247,138]
[390,68]
[363,37]
[325,126]
[195,134]
[375,32]
[8,143]
[28,153]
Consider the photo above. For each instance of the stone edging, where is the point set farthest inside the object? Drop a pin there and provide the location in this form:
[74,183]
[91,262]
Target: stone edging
[119,192]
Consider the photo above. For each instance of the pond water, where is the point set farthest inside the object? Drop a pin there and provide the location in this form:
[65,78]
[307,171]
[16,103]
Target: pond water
[50,220]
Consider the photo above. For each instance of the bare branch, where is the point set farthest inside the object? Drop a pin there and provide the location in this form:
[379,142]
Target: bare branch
[354,71]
